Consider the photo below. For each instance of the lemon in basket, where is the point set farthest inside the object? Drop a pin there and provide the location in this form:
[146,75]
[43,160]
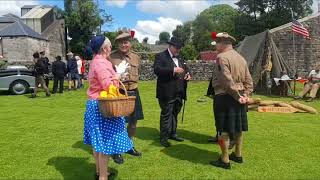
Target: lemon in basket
[103,94]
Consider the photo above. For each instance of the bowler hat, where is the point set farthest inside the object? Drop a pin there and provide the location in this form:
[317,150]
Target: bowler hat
[175,42]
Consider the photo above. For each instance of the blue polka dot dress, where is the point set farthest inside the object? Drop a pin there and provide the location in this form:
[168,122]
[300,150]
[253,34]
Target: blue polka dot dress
[108,136]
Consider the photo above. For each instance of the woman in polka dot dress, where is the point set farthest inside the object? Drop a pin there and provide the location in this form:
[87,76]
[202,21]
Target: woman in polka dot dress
[107,136]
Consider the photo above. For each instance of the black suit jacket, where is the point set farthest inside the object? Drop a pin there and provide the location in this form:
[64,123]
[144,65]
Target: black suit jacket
[169,85]
[59,69]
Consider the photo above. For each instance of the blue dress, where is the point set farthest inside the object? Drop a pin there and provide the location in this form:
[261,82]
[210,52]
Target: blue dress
[105,135]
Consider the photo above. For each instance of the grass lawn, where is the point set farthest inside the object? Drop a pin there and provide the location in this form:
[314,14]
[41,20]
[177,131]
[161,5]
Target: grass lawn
[42,139]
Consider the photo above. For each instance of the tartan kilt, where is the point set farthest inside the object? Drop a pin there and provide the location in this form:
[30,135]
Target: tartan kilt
[138,112]
[230,116]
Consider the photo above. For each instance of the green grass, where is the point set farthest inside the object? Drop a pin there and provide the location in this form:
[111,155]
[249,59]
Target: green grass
[42,139]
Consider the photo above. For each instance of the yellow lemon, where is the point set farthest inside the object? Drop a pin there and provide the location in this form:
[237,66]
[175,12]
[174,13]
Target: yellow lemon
[110,96]
[103,94]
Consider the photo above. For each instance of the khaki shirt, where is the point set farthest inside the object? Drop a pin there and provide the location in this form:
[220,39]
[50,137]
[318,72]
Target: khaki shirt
[231,75]
[131,81]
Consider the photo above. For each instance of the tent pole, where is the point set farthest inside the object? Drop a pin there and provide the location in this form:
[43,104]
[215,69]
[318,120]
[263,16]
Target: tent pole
[294,58]
[294,64]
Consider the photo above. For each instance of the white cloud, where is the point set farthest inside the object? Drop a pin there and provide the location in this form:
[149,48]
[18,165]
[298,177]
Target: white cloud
[117,3]
[184,10]
[315,6]
[14,7]
[152,29]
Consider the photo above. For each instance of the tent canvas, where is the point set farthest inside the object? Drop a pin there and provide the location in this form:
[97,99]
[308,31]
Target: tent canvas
[264,60]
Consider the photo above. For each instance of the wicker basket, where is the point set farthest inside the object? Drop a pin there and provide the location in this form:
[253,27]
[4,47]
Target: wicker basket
[118,106]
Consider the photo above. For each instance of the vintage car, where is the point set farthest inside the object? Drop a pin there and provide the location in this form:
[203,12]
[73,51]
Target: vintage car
[17,79]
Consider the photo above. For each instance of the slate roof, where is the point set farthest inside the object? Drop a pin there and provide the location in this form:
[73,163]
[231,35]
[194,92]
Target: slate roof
[19,29]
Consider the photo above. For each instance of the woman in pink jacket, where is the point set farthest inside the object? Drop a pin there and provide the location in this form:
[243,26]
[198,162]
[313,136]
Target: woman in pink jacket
[107,136]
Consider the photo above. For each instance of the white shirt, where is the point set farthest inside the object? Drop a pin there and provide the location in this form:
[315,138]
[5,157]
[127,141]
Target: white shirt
[175,60]
[79,64]
[313,73]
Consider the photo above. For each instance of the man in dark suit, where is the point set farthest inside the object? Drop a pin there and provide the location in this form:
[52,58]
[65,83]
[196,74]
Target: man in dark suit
[172,79]
[59,70]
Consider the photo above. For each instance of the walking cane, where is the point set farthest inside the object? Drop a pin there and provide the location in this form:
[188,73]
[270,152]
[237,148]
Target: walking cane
[184,105]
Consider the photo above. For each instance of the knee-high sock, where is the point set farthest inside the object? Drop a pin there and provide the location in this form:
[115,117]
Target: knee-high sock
[224,141]
[239,140]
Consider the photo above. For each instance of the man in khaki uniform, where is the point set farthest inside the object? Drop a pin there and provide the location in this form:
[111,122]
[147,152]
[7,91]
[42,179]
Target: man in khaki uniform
[232,85]
[127,64]
[312,86]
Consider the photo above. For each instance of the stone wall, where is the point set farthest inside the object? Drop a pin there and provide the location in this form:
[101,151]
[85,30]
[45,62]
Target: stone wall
[21,49]
[199,70]
[307,51]
[55,33]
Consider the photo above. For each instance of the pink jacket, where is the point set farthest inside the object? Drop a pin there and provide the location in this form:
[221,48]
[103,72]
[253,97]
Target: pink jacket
[99,77]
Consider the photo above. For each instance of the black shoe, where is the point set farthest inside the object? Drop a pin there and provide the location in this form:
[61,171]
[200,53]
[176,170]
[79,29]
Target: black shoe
[309,100]
[33,95]
[213,140]
[117,158]
[48,95]
[221,164]
[165,143]
[234,158]
[134,152]
[176,138]
[297,97]
[111,174]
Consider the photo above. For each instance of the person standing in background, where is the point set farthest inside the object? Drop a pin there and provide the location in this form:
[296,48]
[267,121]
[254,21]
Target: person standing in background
[59,71]
[72,69]
[46,69]
[39,69]
[79,66]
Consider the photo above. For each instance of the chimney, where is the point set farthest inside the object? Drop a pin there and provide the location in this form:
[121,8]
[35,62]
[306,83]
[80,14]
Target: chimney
[318,6]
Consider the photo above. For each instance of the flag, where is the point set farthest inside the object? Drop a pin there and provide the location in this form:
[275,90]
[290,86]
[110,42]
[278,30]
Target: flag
[298,28]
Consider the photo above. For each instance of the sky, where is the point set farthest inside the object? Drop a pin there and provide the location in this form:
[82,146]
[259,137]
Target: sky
[147,17]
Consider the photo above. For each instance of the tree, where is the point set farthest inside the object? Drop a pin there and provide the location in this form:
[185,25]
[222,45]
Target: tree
[164,37]
[259,15]
[219,18]
[183,32]
[83,18]
[145,40]
[111,36]
[189,52]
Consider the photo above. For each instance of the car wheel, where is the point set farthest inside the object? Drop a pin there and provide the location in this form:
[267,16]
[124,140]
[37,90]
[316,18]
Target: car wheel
[18,87]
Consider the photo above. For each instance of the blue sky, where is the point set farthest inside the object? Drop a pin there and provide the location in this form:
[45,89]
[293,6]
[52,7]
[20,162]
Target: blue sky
[147,17]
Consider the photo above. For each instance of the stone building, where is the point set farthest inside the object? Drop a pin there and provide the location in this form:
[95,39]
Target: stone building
[36,30]
[306,52]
